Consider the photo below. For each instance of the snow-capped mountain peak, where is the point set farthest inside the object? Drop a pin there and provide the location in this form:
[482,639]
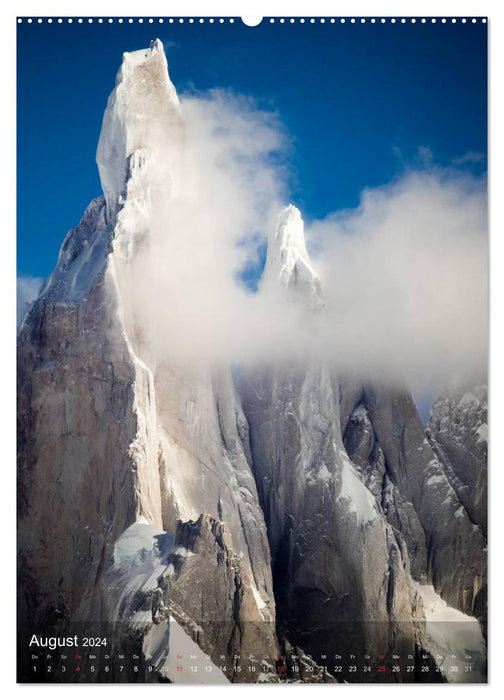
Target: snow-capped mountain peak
[143,113]
[288,261]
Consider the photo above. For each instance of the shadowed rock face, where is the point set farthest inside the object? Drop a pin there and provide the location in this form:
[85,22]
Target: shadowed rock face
[340,571]
[401,509]
[78,485]
[194,577]
[354,496]
[419,494]
[228,607]
[458,431]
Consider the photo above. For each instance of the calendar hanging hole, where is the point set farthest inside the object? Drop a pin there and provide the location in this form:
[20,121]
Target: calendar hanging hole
[252,21]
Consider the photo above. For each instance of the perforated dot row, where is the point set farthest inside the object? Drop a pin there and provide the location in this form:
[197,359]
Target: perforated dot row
[231,20]
[373,20]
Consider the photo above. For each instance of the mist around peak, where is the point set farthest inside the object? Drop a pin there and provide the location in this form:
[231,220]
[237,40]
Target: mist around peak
[403,276]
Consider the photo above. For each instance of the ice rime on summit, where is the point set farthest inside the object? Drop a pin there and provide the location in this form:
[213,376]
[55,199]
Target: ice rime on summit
[143,113]
[287,260]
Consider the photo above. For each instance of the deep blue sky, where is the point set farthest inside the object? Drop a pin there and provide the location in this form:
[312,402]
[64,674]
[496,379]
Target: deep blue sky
[352,97]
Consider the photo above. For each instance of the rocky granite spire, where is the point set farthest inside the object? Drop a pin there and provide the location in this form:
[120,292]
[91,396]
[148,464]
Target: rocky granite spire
[341,572]
[287,260]
[142,117]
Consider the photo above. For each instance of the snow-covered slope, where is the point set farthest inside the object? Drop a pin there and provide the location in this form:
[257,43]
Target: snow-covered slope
[454,639]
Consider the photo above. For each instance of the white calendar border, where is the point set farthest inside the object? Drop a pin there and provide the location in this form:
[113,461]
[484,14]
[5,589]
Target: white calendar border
[315,8]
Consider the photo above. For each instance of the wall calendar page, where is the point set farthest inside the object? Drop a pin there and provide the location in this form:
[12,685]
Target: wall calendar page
[252,349]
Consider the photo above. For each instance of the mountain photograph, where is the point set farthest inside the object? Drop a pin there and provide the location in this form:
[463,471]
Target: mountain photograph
[252,384]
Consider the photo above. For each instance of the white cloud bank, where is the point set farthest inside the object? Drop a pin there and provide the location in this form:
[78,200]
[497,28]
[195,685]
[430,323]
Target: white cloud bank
[404,275]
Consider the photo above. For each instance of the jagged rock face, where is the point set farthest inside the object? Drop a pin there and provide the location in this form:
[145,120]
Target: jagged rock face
[419,495]
[364,450]
[457,431]
[318,439]
[229,608]
[297,666]
[80,485]
[105,437]
[341,574]
[195,578]
[204,465]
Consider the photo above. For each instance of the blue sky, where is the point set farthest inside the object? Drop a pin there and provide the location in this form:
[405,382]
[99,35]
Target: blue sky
[359,102]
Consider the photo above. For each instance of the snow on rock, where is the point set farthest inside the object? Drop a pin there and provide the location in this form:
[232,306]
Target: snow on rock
[435,479]
[82,257]
[360,499]
[453,638]
[467,400]
[141,543]
[177,657]
[261,605]
[187,663]
[456,413]
[458,432]
[287,259]
[139,560]
[156,644]
[324,474]
[143,112]
[482,432]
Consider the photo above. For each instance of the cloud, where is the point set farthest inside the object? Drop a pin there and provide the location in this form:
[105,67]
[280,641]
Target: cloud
[169,45]
[469,158]
[189,296]
[27,291]
[404,275]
